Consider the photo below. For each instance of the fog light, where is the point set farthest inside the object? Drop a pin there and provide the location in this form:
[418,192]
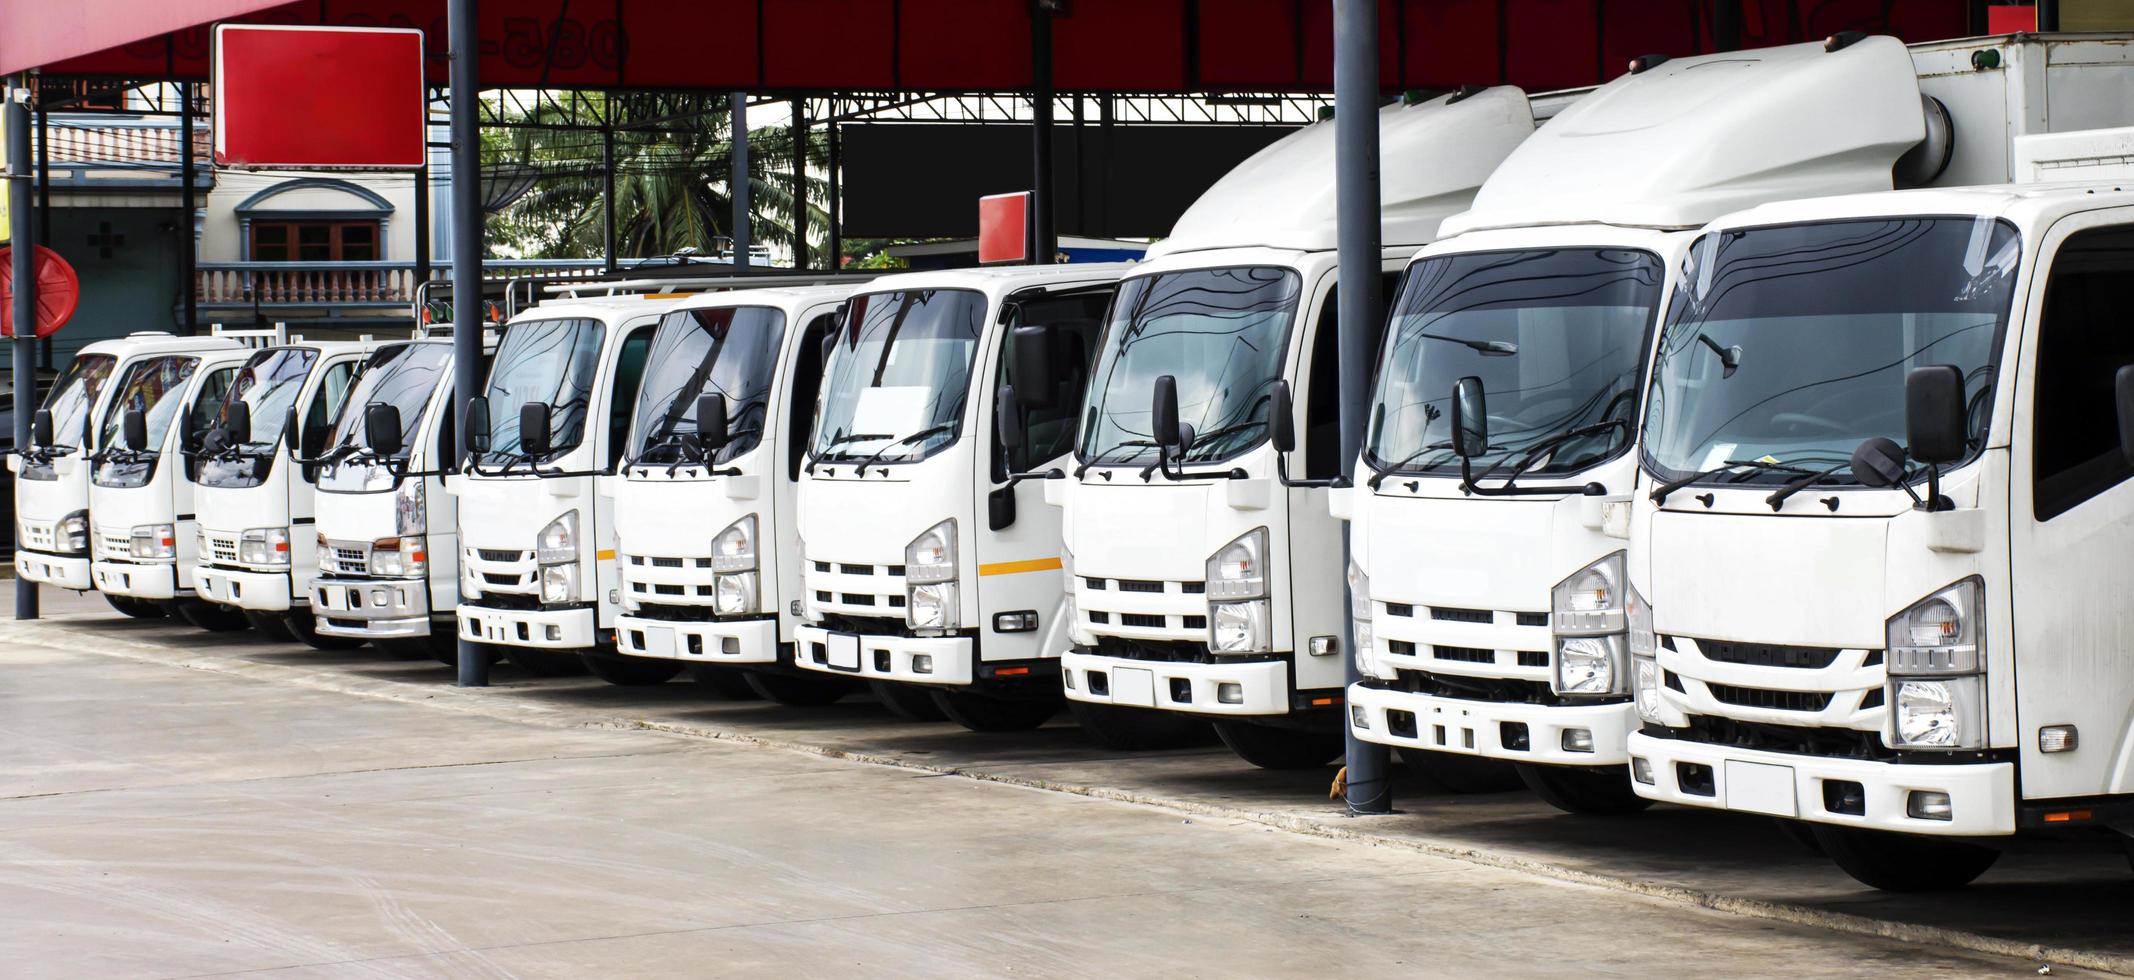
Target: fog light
[2057,738]
[1324,646]
[1929,805]
[1067,678]
[554,633]
[1641,770]
[1696,779]
[730,646]
[1844,796]
[1358,718]
[922,663]
[1230,693]
[1578,740]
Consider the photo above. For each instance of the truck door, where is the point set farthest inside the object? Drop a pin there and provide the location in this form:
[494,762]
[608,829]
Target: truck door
[2071,522]
[614,433]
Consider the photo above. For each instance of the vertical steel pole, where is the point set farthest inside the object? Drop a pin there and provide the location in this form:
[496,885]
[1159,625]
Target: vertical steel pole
[188,260]
[25,311]
[1042,239]
[837,227]
[1726,25]
[2048,15]
[422,229]
[464,37]
[800,183]
[44,208]
[1357,238]
[737,184]
[607,190]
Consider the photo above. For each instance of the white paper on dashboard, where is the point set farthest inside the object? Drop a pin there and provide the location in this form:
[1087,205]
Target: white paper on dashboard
[894,412]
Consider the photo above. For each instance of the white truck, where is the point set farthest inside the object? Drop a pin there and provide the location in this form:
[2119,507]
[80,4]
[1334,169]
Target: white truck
[931,570]
[52,474]
[143,535]
[707,533]
[1488,581]
[1875,571]
[387,534]
[535,499]
[1203,567]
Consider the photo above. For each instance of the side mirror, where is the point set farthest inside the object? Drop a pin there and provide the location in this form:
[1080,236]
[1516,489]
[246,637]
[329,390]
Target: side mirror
[712,435]
[2123,388]
[533,429]
[1033,366]
[133,430]
[1281,427]
[381,429]
[477,424]
[1470,418]
[1878,462]
[41,427]
[1000,508]
[1008,417]
[292,432]
[1163,413]
[237,423]
[1934,414]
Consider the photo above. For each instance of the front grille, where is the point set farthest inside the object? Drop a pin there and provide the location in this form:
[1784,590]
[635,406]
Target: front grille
[1533,619]
[1505,690]
[1400,648]
[351,561]
[114,545]
[1470,655]
[1399,609]
[1143,620]
[221,548]
[667,563]
[495,579]
[822,566]
[670,590]
[1193,622]
[858,599]
[1193,588]
[490,554]
[1452,615]
[1139,585]
[856,569]
[1533,658]
[1095,584]
[1756,697]
[1767,654]
[1100,618]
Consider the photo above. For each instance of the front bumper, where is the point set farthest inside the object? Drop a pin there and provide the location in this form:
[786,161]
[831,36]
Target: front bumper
[263,591]
[140,581]
[372,608]
[1490,728]
[1262,685]
[61,571]
[740,641]
[1981,795]
[886,658]
[545,629]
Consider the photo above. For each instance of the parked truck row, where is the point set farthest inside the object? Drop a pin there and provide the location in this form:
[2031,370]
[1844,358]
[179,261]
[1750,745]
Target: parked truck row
[1751,432]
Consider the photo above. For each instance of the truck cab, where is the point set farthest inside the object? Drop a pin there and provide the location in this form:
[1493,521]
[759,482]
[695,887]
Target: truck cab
[143,533]
[52,474]
[1204,568]
[929,569]
[255,485]
[707,529]
[535,500]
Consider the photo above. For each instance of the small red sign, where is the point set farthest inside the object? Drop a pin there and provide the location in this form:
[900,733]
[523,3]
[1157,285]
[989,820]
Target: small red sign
[1004,228]
[342,98]
[2011,19]
[59,291]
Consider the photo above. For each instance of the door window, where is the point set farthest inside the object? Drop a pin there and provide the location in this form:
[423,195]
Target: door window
[1075,320]
[622,401]
[2084,338]
[807,384]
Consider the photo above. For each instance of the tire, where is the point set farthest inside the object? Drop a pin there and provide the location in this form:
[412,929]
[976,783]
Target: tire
[630,671]
[907,701]
[1462,774]
[306,628]
[1136,729]
[729,683]
[211,617]
[270,625]
[1902,862]
[1591,792]
[136,608]
[544,663]
[1800,833]
[981,713]
[796,691]
[1280,748]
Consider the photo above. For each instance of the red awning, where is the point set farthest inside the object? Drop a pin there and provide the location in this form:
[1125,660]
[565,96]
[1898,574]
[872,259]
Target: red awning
[42,32]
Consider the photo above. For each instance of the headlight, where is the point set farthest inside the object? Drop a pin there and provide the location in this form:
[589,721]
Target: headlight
[263,546]
[470,581]
[1238,570]
[402,557]
[559,583]
[1938,714]
[1360,617]
[933,607]
[1589,665]
[71,535]
[559,540]
[153,541]
[411,511]
[734,595]
[1936,670]
[1647,682]
[931,557]
[734,550]
[324,552]
[1238,627]
[1590,602]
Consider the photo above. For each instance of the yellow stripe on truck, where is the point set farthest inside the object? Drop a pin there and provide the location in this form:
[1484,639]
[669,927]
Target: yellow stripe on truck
[1014,567]
[605,555]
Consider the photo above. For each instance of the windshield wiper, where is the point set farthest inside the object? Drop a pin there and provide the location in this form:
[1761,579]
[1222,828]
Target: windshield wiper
[1486,348]
[931,430]
[1537,451]
[1208,438]
[1778,497]
[1659,493]
[1380,476]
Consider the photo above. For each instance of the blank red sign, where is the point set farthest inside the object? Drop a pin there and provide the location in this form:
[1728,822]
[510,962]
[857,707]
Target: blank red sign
[1004,227]
[319,97]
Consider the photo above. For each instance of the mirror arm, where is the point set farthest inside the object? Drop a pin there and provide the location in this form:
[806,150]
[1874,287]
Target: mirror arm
[1281,475]
[1054,473]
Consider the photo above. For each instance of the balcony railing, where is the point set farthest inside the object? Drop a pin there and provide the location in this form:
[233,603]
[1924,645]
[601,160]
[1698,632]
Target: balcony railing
[244,284]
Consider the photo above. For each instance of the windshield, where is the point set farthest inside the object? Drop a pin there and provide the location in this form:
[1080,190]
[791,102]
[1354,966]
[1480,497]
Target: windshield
[1556,337]
[73,394]
[730,351]
[151,386]
[900,373]
[549,362]
[1790,344]
[1219,332]
[269,383]
[403,376]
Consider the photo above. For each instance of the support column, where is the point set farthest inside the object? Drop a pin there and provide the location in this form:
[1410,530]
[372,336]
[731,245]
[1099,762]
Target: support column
[188,245]
[1044,242]
[837,227]
[607,189]
[800,183]
[422,229]
[2048,16]
[737,182]
[1726,25]
[23,269]
[44,208]
[465,39]
[1357,239]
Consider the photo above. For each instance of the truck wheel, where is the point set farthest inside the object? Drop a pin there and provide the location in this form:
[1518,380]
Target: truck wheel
[545,663]
[1280,748]
[907,701]
[211,617]
[1903,862]
[630,671]
[1593,792]
[1800,832]
[1136,729]
[795,691]
[1462,773]
[136,608]
[726,682]
[981,713]
[306,628]
[269,625]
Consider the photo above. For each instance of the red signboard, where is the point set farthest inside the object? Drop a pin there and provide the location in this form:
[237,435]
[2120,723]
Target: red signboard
[1004,227]
[319,97]
[59,291]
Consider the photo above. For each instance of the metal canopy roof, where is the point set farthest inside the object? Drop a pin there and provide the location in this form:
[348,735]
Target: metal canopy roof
[967,45]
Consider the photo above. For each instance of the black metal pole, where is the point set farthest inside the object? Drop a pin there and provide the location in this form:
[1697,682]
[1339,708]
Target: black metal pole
[2048,15]
[737,182]
[188,260]
[25,312]
[607,190]
[1042,239]
[837,227]
[422,229]
[1359,267]
[465,40]
[800,183]
[1726,25]
[44,208]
